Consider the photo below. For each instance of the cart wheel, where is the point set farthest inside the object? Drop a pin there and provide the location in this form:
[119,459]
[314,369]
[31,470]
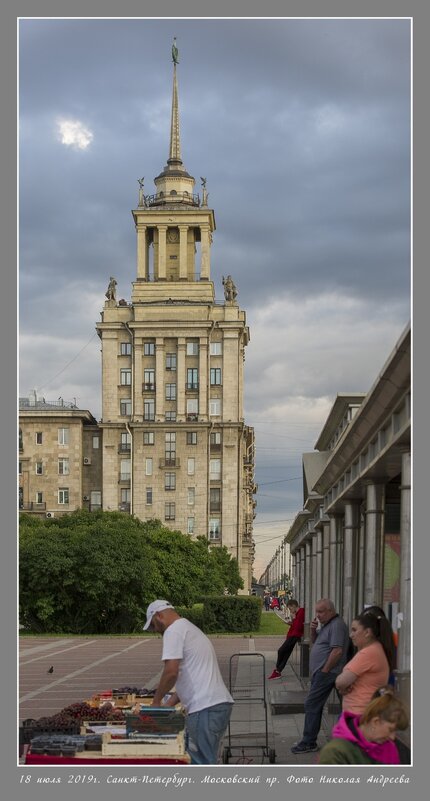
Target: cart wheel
[226,754]
[272,755]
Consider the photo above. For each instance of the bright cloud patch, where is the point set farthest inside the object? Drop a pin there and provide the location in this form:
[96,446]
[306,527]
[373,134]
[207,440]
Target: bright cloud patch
[74,134]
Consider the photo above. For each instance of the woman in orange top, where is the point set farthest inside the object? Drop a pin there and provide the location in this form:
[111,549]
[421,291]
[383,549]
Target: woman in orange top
[369,669]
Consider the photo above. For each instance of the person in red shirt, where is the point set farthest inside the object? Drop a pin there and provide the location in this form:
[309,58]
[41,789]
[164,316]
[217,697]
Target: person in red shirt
[294,635]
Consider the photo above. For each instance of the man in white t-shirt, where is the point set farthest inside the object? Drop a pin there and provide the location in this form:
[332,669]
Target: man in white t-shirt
[190,665]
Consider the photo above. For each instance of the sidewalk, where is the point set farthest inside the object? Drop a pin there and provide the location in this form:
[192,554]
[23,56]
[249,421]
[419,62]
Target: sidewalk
[248,724]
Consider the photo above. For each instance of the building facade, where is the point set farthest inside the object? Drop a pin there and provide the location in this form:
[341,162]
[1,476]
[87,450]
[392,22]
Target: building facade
[175,443]
[351,542]
[60,458]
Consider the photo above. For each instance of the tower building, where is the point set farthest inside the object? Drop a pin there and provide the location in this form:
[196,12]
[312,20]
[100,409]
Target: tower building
[175,444]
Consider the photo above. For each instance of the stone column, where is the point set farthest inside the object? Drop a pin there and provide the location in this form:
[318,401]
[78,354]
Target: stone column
[159,379]
[325,592]
[319,566]
[161,274]
[350,540]
[308,583]
[375,499]
[142,253]
[335,547]
[361,562]
[183,252]
[293,577]
[302,575]
[404,646]
[314,579]
[205,253]
[181,380]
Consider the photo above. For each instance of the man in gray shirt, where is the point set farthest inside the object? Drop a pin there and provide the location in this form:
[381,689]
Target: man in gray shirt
[328,656]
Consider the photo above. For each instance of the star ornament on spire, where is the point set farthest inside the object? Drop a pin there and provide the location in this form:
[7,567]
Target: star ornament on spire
[175,52]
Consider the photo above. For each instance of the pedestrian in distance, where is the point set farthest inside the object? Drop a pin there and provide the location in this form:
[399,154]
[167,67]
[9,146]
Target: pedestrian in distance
[294,635]
[370,738]
[327,658]
[191,668]
[371,666]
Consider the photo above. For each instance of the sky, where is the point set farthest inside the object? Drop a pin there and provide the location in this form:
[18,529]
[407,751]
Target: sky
[302,130]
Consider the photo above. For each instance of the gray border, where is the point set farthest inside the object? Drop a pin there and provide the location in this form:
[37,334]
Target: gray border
[273,8]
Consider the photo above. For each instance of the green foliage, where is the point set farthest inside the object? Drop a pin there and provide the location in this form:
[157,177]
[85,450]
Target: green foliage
[231,613]
[97,572]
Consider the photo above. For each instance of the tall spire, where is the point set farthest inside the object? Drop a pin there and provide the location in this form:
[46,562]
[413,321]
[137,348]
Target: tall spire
[175,139]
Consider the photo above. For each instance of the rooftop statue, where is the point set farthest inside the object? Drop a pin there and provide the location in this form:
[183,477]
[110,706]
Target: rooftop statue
[230,291]
[111,290]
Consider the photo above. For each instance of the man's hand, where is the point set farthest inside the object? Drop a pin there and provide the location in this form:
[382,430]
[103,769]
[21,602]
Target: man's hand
[167,680]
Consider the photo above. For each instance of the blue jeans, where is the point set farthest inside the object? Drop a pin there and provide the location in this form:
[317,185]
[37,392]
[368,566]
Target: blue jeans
[205,730]
[321,687]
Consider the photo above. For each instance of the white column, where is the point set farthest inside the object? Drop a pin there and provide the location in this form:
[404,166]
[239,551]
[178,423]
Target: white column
[350,540]
[374,541]
[183,252]
[319,566]
[404,649]
[205,252]
[309,609]
[325,592]
[162,229]
[314,598]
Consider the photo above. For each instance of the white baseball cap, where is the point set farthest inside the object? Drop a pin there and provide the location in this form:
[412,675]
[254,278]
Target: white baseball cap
[156,606]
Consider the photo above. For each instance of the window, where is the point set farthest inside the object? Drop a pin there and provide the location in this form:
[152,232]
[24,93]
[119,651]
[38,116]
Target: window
[170,447]
[96,499]
[169,481]
[148,467]
[39,497]
[171,361]
[215,376]
[148,409]
[39,468]
[125,406]
[192,408]
[169,511]
[125,348]
[215,348]
[170,417]
[148,438]
[125,469]
[63,495]
[191,437]
[215,440]
[20,468]
[215,500]
[149,496]
[170,391]
[125,495]
[39,437]
[192,348]
[215,407]
[192,378]
[125,444]
[63,436]
[125,377]
[63,467]
[149,380]
[215,469]
[191,496]
[214,528]
[96,442]
[20,440]
[148,348]
[190,525]
[191,466]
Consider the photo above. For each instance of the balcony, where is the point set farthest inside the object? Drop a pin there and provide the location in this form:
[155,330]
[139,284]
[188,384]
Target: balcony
[215,506]
[124,507]
[124,477]
[32,506]
[170,462]
[148,386]
[193,387]
[192,418]
[124,447]
[215,446]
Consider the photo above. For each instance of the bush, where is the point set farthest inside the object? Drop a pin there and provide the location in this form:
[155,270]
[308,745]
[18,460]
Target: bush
[232,613]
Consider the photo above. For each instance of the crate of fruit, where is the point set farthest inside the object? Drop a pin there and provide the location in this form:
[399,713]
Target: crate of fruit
[155,720]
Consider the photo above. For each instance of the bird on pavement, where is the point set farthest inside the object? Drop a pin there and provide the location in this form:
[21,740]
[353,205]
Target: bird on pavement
[51,669]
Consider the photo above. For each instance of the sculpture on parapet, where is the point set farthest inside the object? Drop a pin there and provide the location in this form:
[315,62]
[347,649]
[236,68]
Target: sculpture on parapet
[230,291]
[205,194]
[111,290]
[141,195]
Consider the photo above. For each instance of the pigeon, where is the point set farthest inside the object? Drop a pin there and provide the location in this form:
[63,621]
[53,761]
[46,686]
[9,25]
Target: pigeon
[51,669]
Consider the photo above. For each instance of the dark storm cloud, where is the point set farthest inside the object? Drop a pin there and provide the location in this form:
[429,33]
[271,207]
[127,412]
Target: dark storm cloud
[302,128]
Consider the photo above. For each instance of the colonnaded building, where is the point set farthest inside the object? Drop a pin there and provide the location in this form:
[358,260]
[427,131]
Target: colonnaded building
[172,443]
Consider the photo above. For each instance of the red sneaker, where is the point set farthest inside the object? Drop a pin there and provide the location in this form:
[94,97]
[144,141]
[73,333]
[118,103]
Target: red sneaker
[275,675]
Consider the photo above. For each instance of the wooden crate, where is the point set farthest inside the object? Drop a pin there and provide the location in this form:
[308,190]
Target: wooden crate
[151,746]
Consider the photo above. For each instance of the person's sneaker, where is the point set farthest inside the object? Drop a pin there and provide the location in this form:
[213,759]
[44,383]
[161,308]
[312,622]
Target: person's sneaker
[275,675]
[303,748]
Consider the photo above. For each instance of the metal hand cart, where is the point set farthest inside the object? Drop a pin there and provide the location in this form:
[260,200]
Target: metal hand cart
[250,689]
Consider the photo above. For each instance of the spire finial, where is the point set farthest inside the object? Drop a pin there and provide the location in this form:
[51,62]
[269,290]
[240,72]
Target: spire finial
[175,142]
[175,52]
